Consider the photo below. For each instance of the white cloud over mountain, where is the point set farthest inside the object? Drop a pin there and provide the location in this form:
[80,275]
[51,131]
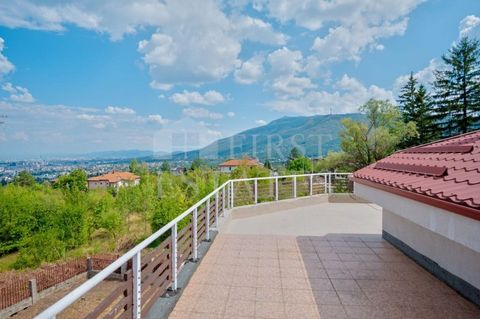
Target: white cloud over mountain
[347,96]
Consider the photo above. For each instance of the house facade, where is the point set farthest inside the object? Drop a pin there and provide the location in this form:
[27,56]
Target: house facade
[114,179]
[230,165]
[430,195]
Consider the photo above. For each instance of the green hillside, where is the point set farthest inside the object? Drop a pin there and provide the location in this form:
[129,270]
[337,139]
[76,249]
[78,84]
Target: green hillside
[314,135]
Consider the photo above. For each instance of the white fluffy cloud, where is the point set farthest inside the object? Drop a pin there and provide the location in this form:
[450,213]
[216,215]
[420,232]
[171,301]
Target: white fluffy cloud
[157,118]
[348,95]
[200,43]
[113,17]
[347,42]
[194,41]
[211,97]
[231,114]
[260,122]
[256,30]
[119,110]
[5,65]
[250,70]
[287,78]
[201,113]
[354,25]
[18,93]
[470,26]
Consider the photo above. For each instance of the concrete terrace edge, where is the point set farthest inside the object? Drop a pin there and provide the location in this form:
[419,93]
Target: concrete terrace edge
[458,284]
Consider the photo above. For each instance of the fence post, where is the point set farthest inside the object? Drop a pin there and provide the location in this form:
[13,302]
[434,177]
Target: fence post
[137,285]
[255,191]
[276,188]
[207,220]
[194,235]
[32,287]
[295,186]
[89,267]
[216,210]
[174,257]
[311,185]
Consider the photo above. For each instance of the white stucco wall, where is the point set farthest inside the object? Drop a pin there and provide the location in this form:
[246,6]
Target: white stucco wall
[97,184]
[227,169]
[463,230]
[456,258]
[449,239]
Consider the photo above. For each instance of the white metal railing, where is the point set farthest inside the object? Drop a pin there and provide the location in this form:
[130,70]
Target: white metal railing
[227,191]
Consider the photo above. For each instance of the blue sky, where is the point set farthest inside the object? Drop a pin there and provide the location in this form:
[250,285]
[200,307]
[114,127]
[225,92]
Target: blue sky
[84,76]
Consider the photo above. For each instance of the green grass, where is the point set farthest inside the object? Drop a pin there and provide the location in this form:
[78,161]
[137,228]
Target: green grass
[7,261]
[100,243]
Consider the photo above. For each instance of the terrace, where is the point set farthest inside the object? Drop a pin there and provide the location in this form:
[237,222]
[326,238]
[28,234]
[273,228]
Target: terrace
[280,247]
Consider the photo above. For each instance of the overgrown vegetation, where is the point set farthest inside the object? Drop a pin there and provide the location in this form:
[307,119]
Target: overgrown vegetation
[43,222]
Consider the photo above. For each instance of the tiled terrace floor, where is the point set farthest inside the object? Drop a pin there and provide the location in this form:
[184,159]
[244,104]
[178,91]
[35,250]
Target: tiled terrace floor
[332,276]
[303,259]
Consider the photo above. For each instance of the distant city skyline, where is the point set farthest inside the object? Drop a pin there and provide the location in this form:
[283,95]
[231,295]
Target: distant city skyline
[79,77]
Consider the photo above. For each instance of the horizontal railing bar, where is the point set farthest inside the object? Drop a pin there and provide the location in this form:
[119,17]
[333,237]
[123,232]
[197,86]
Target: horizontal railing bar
[273,177]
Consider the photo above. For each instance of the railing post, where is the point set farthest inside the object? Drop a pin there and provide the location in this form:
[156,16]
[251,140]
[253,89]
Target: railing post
[232,191]
[276,188]
[194,235]
[329,183]
[311,185]
[295,186]
[216,210]
[174,258]
[228,195]
[255,191]
[223,202]
[137,285]
[325,176]
[207,220]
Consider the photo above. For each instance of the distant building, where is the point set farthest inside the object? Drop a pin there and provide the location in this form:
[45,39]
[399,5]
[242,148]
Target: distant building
[113,179]
[178,170]
[232,164]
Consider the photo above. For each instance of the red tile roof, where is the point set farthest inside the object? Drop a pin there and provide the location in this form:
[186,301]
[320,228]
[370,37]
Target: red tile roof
[445,174]
[238,162]
[115,177]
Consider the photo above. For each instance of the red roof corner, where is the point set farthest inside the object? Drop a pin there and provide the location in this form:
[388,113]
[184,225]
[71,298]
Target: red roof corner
[444,174]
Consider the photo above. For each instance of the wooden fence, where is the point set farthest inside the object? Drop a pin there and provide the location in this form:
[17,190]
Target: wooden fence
[18,286]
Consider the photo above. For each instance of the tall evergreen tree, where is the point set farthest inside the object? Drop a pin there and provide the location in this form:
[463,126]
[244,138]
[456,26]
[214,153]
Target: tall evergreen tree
[427,127]
[457,88]
[407,99]
[416,106]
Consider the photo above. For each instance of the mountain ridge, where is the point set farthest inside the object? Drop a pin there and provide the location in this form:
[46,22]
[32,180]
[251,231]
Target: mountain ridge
[314,135]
